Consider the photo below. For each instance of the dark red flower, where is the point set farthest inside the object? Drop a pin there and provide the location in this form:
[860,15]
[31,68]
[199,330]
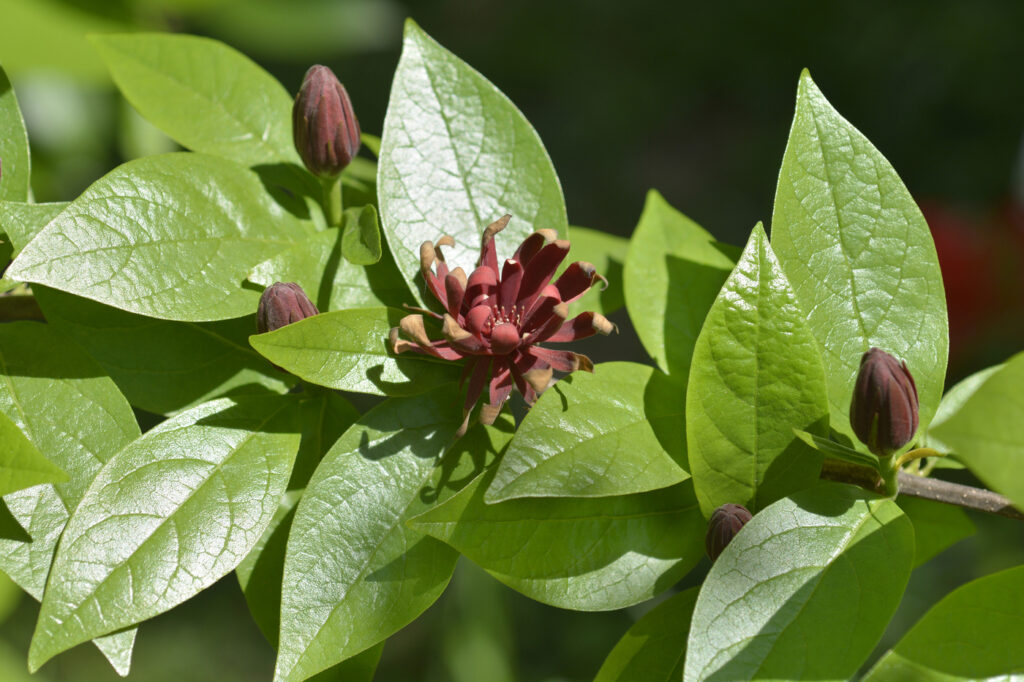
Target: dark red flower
[498,317]
[324,127]
[883,410]
[725,522]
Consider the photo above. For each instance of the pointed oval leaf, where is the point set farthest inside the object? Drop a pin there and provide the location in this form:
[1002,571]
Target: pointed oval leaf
[13,146]
[74,414]
[582,554]
[757,375]
[330,280]
[360,240]
[170,236]
[613,432]
[673,271]
[805,589]
[166,517]
[162,366]
[653,650]
[354,573]
[347,350]
[974,633]
[951,403]
[21,464]
[987,433]
[456,155]
[207,96]
[859,255]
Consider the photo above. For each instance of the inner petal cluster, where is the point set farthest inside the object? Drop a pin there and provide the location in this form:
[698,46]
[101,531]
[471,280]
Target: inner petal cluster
[497,317]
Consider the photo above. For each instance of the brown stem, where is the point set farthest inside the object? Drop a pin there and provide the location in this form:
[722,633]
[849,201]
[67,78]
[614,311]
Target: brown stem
[934,489]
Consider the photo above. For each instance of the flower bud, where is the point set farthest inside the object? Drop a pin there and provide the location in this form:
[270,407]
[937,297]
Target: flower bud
[725,522]
[281,304]
[324,127]
[883,412]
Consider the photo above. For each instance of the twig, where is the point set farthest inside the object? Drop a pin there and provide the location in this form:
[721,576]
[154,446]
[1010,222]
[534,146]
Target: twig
[934,489]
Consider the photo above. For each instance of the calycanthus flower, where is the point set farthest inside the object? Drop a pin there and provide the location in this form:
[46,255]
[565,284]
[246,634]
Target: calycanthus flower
[497,317]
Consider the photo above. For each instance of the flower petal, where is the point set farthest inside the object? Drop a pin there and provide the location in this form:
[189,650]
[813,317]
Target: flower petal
[577,280]
[455,291]
[460,339]
[540,270]
[532,244]
[476,319]
[562,360]
[580,327]
[488,251]
[483,283]
[508,289]
[552,325]
[542,309]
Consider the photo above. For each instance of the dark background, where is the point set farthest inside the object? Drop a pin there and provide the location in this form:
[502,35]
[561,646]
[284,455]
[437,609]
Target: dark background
[694,99]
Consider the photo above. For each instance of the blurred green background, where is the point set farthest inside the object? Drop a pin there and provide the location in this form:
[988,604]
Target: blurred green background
[694,99]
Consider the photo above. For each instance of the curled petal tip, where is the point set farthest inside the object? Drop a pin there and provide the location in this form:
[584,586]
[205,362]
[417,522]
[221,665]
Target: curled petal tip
[539,379]
[548,234]
[488,413]
[445,240]
[427,256]
[496,227]
[604,326]
[460,276]
[397,343]
[461,431]
[412,326]
[582,362]
[452,331]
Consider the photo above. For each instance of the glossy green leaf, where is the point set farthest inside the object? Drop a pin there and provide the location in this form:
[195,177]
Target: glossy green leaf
[457,155]
[347,350]
[756,376]
[937,526]
[360,239]
[987,432]
[21,222]
[582,554]
[21,464]
[74,414]
[10,528]
[129,554]
[653,650]
[804,590]
[169,236]
[162,366]
[354,573]
[837,451]
[13,146]
[204,94]
[974,633]
[673,271]
[859,255]
[334,283]
[608,254]
[325,417]
[951,403]
[614,432]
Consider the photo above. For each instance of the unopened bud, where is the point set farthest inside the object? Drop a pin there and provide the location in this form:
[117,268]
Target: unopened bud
[324,127]
[883,411]
[281,304]
[725,522]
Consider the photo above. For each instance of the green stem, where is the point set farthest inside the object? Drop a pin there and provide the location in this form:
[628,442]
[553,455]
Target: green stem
[332,201]
[917,454]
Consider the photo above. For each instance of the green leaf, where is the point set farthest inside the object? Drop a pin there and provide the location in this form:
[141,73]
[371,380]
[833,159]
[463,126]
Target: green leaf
[204,94]
[951,403]
[333,282]
[613,432]
[10,528]
[987,432]
[22,222]
[673,271]
[13,146]
[128,554]
[582,554]
[170,236]
[859,255]
[164,367]
[74,414]
[371,142]
[325,416]
[347,350]
[354,573]
[360,240]
[456,155]
[21,464]
[973,633]
[805,589]
[756,375]
[838,451]
[937,526]
[608,254]
[653,649]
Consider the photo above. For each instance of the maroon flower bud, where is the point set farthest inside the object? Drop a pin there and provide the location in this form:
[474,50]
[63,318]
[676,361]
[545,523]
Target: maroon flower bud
[725,522]
[883,412]
[281,304]
[324,127]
